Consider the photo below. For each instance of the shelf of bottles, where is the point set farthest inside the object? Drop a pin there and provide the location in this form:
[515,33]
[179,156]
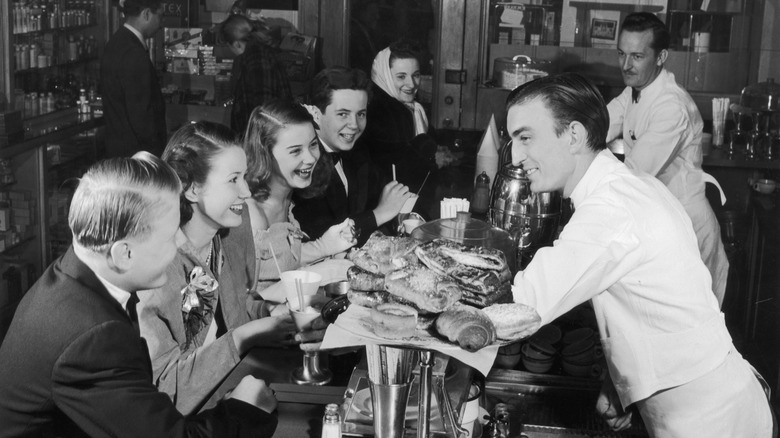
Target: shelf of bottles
[54,52]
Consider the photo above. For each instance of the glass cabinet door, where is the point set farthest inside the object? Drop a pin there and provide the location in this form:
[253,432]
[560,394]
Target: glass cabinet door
[21,259]
[51,50]
[64,162]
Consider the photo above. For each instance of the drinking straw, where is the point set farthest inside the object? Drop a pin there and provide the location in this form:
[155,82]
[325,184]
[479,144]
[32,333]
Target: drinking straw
[276,262]
[299,289]
[374,363]
[423,183]
[394,172]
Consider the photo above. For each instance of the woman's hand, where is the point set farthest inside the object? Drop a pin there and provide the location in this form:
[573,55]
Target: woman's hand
[271,331]
[336,239]
[312,340]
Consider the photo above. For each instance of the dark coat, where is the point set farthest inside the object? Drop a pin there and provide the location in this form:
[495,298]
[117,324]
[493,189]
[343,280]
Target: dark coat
[133,104]
[390,139]
[258,77]
[73,365]
[317,214]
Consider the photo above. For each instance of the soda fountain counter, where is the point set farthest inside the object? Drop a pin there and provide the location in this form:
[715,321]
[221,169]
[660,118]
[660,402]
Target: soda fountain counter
[750,228]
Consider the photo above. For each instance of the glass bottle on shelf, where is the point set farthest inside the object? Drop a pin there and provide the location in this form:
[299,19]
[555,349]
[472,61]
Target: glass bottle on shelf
[73,48]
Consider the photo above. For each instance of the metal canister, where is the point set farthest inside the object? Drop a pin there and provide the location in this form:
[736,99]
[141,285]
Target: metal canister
[531,219]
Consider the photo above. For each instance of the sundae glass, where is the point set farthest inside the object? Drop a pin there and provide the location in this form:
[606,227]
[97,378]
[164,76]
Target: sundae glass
[304,316]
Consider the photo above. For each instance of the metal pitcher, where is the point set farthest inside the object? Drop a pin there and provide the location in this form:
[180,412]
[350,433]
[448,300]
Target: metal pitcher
[531,219]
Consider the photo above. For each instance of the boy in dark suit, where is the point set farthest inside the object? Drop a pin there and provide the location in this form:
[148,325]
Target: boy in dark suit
[340,97]
[132,99]
[73,363]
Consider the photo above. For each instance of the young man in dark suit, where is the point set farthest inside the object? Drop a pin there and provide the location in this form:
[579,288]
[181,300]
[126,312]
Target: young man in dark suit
[340,97]
[132,99]
[73,363]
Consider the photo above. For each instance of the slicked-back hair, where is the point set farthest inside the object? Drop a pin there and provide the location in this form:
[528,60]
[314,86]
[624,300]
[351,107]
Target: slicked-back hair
[119,198]
[337,78]
[132,8]
[262,134]
[569,97]
[405,49]
[642,21]
[190,152]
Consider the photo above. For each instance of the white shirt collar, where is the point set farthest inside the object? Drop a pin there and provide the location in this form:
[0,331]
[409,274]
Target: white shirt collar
[137,34]
[326,147]
[120,295]
[658,84]
[600,165]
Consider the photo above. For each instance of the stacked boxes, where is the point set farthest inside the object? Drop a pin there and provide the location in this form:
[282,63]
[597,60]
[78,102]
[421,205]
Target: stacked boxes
[181,49]
[210,65]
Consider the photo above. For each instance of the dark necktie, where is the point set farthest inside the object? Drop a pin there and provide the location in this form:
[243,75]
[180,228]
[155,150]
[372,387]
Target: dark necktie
[132,312]
[335,157]
[635,95]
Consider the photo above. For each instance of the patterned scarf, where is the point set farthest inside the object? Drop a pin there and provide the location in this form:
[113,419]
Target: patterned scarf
[381,75]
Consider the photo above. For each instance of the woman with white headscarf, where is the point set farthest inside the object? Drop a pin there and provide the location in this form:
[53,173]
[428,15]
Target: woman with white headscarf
[398,131]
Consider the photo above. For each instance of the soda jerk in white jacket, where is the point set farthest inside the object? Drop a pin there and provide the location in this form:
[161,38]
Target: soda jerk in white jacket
[662,133]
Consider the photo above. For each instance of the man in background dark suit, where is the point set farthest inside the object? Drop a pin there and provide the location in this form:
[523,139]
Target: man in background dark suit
[73,363]
[132,99]
[340,97]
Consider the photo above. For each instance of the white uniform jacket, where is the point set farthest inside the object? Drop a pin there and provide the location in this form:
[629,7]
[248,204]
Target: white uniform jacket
[662,133]
[630,248]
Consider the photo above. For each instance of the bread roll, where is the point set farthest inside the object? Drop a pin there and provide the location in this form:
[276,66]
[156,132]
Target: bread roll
[466,325]
[367,299]
[429,291]
[513,321]
[394,321]
[360,279]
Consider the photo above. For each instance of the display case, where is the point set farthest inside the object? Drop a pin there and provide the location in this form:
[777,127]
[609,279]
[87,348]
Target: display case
[710,52]
[51,52]
[37,178]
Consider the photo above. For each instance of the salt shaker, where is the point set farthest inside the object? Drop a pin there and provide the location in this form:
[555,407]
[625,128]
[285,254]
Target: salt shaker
[481,198]
[502,420]
[331,422]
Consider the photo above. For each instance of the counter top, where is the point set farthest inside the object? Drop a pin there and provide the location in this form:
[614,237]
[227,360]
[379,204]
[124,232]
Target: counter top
[52,128]
[300,408]
[720,158]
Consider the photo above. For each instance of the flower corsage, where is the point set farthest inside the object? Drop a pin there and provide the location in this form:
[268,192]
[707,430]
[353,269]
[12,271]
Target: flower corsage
[197,303]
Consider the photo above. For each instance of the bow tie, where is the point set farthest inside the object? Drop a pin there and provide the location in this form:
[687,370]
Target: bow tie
[634,95]
[335,157]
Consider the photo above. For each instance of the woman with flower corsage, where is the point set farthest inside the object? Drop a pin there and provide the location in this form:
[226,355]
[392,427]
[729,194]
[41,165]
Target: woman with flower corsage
[284,156]
[200,325]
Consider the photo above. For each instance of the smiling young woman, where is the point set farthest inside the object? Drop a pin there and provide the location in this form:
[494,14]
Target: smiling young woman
[285,156]
[199,323]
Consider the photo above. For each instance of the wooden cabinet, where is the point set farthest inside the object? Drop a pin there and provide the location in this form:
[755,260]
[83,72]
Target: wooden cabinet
[581,36]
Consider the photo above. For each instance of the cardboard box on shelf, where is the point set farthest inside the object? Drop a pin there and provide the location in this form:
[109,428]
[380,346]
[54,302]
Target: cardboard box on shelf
[182,42]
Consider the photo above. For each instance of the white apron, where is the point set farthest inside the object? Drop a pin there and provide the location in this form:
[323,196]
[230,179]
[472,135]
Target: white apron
[738,409]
